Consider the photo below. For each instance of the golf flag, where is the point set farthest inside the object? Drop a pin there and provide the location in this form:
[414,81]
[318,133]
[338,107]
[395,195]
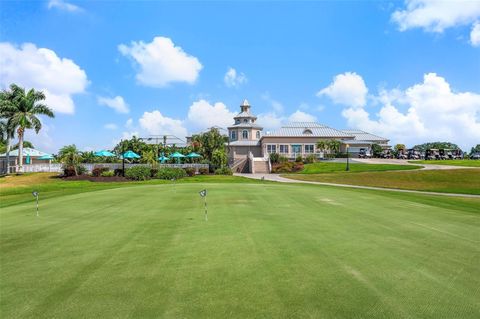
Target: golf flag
[203,193]
[35,194]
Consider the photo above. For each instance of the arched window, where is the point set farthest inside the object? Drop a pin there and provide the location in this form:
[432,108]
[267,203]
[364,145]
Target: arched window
[245,121]
[245,134]
[234,135]
[307,131]
[258,135]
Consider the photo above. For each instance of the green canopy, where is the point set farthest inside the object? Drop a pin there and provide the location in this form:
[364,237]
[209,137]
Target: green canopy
[130,154]
[46,157]
[178,156]
[104,154]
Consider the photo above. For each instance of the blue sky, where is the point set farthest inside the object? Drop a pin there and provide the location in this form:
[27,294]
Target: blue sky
[409,71]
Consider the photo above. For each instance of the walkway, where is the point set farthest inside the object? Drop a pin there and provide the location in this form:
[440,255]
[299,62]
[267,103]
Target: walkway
[278,178]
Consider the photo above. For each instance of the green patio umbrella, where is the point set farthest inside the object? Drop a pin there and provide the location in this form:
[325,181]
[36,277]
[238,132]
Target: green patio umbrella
[194,155]
[130,154]
[178,156]
[104,154]
[27,159]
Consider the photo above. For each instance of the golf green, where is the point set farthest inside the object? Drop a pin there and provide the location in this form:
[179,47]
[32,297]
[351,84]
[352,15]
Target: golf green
[267,251]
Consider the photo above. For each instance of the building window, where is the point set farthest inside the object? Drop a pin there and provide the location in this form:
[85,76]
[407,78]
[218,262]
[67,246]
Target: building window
[237,121]
[245,134]
[309,148]
[258,135]
[271,149]
[307,131]
[245,121]
[283,149]
[234,135]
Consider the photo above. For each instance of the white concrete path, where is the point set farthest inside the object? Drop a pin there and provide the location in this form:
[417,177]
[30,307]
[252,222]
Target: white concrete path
[278,178]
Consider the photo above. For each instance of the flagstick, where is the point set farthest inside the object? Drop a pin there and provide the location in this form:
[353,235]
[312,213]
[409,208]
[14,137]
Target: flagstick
[206,212]
[37,205]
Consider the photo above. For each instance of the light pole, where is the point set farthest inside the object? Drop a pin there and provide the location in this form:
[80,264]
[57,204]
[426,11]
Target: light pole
[348,162]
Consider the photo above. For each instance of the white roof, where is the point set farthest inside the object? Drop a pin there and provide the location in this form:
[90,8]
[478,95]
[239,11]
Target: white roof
[364,136]
[245,143]
[26,151]
[307,129]
[245,103]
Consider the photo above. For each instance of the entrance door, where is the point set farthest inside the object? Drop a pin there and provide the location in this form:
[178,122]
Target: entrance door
[296,150]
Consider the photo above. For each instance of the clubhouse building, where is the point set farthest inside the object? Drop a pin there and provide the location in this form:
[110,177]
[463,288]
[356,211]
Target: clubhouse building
[248,142]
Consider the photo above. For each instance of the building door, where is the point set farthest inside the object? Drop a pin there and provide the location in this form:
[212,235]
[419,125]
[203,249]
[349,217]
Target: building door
[296,150]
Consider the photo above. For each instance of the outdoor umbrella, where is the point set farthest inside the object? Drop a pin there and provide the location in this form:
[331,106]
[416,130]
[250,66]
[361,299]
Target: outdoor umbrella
[163,158]
[104,154]
[130,154]
[194,155]
[46,157]
[177,155]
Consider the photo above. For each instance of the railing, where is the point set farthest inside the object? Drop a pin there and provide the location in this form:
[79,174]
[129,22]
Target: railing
[57,168]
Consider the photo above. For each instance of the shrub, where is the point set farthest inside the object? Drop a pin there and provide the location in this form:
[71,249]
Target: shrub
[190,171]
[153,172]
[203,171]
[107,173]
[138,173]
[69,171]
[274,158]
[297,167]
[224,171]
[98,170]
[170,173]
[299,159]
[288,167]
[310,159]
[81,169]
[118,172]
[282,159]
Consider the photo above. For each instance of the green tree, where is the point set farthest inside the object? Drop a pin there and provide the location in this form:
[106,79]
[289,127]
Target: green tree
[475,149]
[219,158]
[322,145]
[437,145]
[208,142]
[25,144]
[21,109]
[149,157]
[70,156]
[376,150]
[7,128]
[334,146]
[134,144]
[398,148]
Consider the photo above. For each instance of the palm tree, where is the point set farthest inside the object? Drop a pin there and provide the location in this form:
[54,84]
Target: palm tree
[21,109]
[70,156]
[7,131]
[334,146]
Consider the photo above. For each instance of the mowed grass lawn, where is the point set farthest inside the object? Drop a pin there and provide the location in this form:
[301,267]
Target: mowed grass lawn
[330,167]
[462,181]
[267,251]
[467,163]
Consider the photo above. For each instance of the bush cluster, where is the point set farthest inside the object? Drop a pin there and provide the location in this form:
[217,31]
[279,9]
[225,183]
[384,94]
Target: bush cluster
[170,173]
[190,171]
[138,173]
[223,171]
[98,170]
[310,159]
[118,172]
[70,170]
[288,167]
[203,171]
[107,173]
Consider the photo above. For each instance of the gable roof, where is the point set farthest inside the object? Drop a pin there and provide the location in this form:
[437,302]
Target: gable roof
[364,136]
[307,129]
[26,151]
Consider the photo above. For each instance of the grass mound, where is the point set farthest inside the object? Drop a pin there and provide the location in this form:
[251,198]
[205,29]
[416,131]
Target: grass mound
[325,167]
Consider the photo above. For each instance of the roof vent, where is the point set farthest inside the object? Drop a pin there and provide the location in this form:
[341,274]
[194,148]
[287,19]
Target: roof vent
[307,131]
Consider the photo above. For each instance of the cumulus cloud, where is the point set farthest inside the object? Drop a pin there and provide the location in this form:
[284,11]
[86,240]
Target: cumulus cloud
[299,116]
[202,115]
[432,111]
[234,79]
[475,35]
[160,62]
[110,126]
[156,123]
[347,89]
[436,16]
[41,68]
[271,120]
[117,103]
[276,105]
[63,5]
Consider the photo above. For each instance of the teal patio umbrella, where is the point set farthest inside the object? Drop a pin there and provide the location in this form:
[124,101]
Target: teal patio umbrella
[46,157]
[194,155]
[104,154]
[178,156]
[163,158]
[130,154]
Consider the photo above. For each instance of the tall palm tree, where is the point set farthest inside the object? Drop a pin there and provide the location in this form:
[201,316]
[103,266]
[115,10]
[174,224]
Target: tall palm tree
[21,112]
[70,156]
[7,130]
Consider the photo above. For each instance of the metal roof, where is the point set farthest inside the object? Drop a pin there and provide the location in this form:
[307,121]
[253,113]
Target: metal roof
[364,136]
[244,114]
[245,143]
[26,151]
[307,129]
[245,103]
[246,125]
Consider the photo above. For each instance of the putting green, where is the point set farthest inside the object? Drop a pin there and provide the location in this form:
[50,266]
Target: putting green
[268,250]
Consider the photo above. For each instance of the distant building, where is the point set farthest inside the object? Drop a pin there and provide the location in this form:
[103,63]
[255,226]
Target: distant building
[247,142]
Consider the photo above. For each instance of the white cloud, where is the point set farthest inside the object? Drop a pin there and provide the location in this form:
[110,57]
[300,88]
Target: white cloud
[203,115]
[276,105]
[348,89]
[160,62]
[434,112]
[436,16]
[475,35]
[129,123]
[299,116]
[117,103]
[232,79]
[42,141]
[154,123]
[270,121]
[63,5]
[41,68]
[110,126]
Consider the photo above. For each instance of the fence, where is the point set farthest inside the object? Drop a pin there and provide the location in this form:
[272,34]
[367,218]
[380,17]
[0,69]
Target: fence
[57,168]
